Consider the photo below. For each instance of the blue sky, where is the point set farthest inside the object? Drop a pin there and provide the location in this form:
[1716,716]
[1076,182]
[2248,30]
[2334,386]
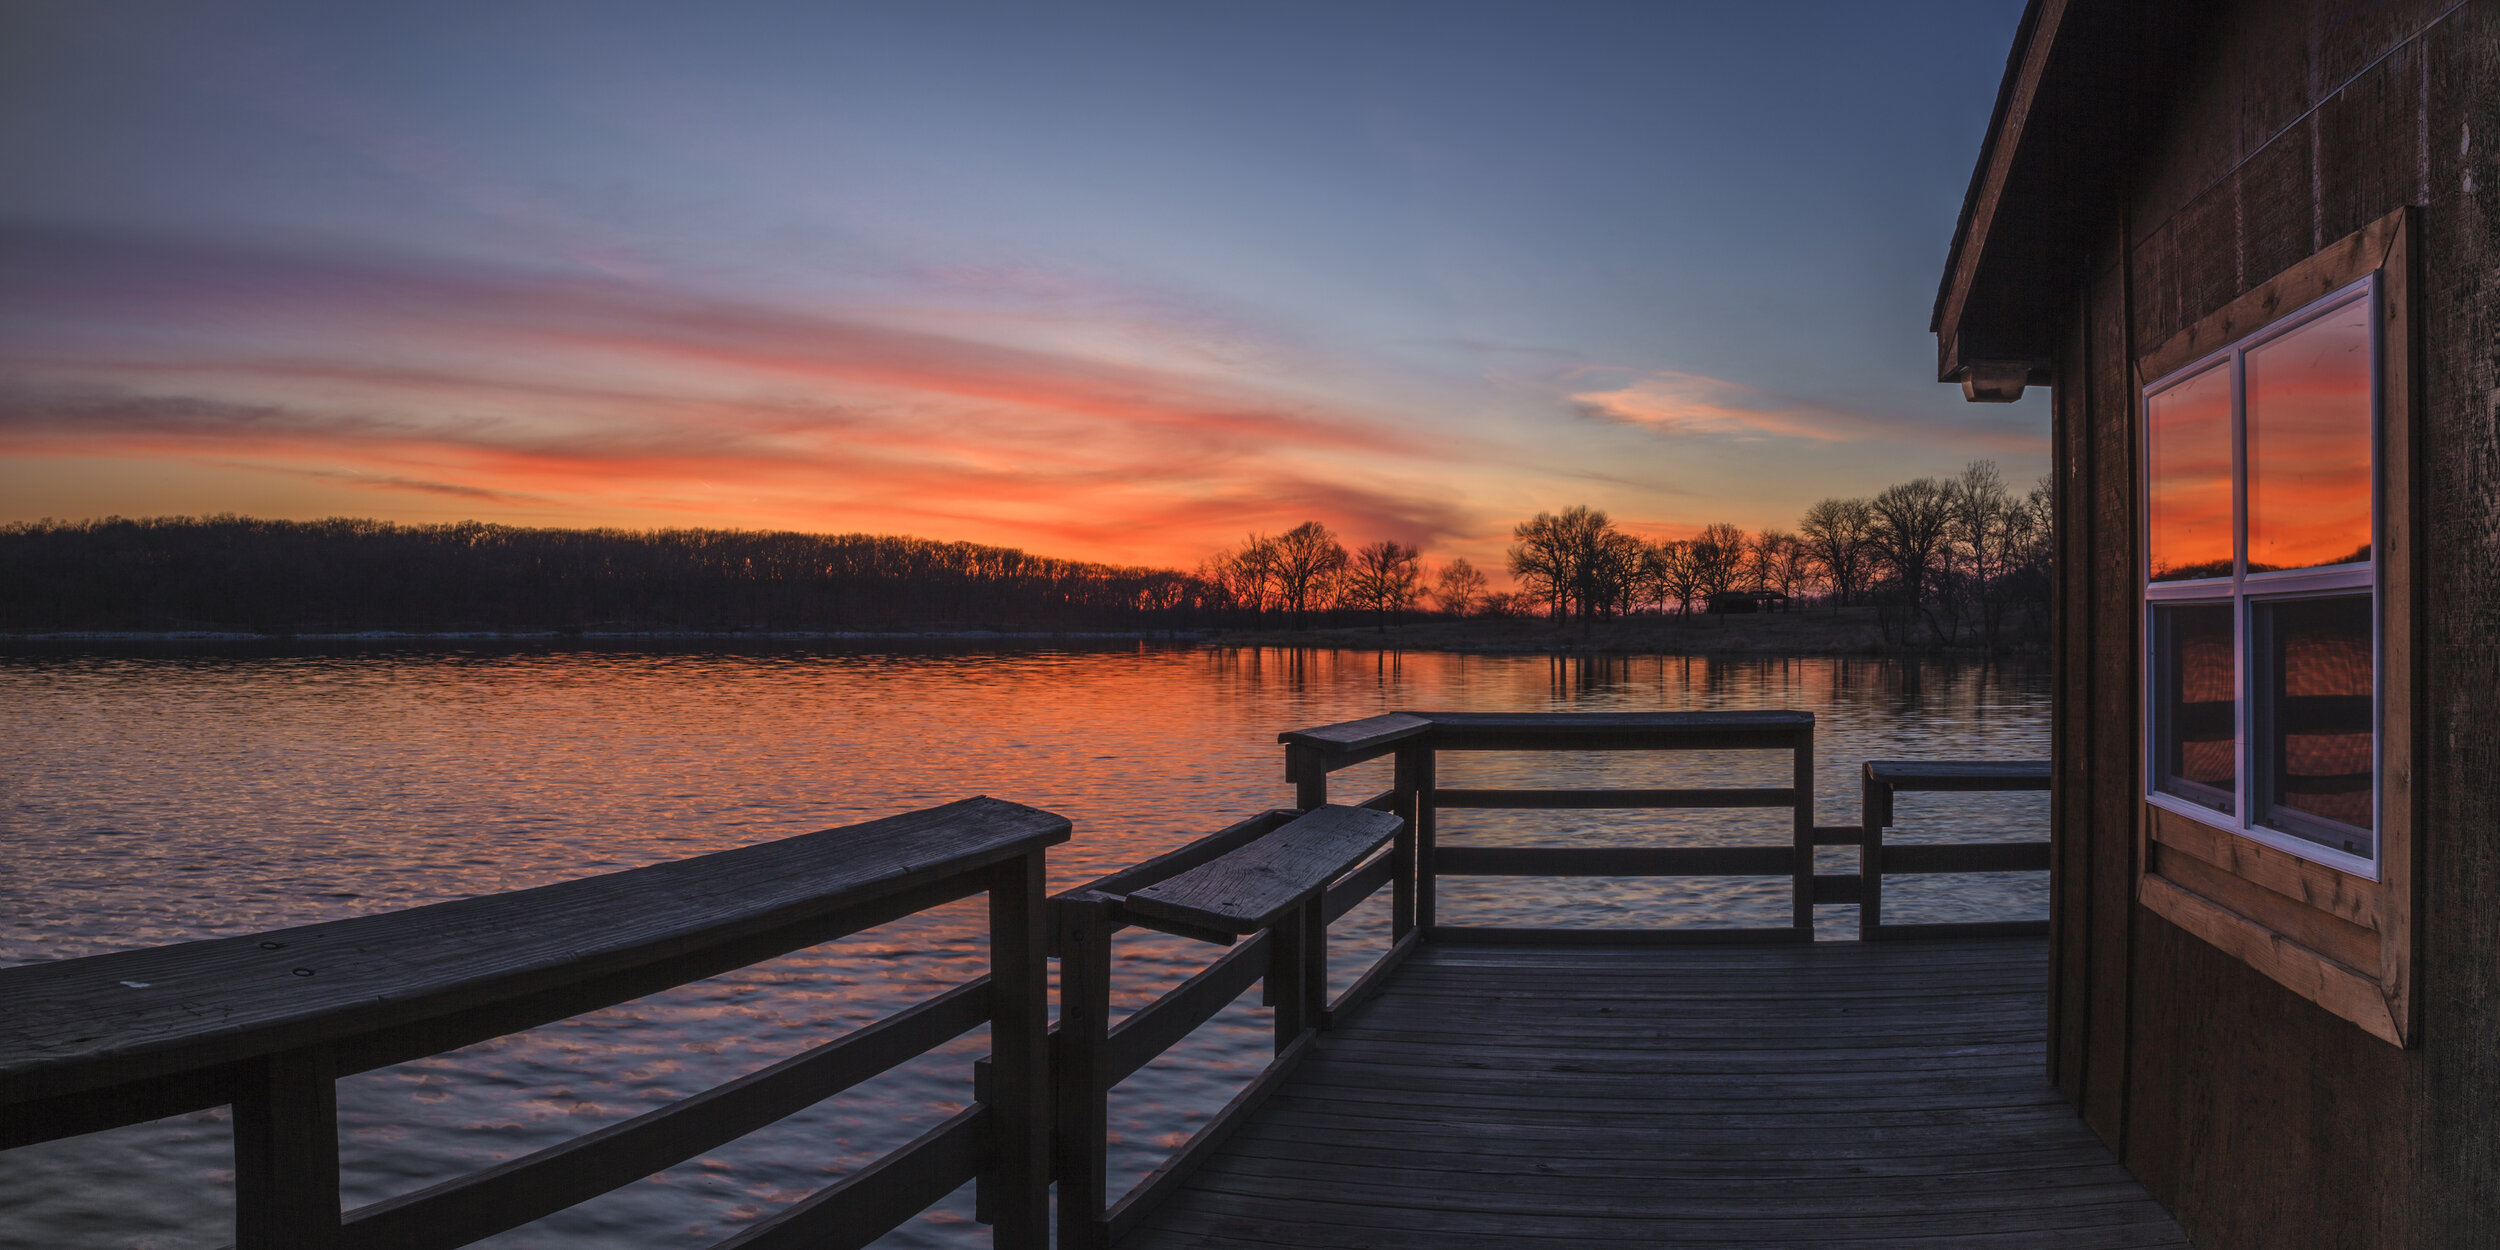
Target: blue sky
[1120,282]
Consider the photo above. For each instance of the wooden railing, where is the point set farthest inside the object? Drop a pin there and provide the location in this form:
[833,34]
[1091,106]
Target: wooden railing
[268,1023]
[1416,739]
[1278,879]
[1884,779]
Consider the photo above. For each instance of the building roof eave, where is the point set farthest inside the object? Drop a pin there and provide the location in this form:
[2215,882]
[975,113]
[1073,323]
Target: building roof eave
[2080,82]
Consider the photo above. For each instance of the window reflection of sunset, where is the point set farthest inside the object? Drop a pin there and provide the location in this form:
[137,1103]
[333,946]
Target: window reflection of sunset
[2189,442]
[2309,444]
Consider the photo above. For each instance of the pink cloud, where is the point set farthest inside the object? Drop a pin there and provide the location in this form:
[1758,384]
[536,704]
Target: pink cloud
[1695,405]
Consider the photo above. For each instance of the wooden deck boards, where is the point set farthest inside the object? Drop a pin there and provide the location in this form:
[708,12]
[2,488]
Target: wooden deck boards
[1872,1095]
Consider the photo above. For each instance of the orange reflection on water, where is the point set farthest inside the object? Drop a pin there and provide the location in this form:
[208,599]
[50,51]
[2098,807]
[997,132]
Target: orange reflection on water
[2309,444]
[2188,440]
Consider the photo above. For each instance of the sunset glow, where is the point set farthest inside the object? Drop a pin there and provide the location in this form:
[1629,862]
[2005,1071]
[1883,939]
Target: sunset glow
[2309,444]
[1029,286]
[2188,440]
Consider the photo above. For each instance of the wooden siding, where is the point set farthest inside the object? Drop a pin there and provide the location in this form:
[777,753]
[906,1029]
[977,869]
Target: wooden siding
[2256,1116]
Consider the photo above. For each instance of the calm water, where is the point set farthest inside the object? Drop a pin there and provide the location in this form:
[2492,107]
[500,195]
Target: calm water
[157,797]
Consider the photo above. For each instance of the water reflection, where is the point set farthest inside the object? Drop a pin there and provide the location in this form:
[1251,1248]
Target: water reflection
[2309,444]
[155,797]
[2188,441]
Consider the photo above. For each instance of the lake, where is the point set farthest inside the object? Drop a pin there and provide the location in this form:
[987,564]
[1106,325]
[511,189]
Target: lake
[154,795]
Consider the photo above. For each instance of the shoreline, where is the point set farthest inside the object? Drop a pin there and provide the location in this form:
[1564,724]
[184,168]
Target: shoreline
[1814,632]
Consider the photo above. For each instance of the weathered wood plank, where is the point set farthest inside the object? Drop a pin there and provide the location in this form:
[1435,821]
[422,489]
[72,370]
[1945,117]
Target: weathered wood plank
[1250,887]
[1155,1027]
[1368,737]
[1358,885]
[1615,861]
[510,1194]
[1495,935]
[1947,775]
[1203,1144]
[1522,799]
[1551,1097]
[86,1023]
[863,1206]
[1182,858]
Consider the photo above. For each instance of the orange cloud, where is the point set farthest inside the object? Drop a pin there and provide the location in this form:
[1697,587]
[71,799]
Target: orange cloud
[581,397]
[1694,405]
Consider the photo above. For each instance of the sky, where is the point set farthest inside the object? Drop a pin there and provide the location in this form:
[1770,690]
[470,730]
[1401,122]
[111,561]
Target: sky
[1110,282]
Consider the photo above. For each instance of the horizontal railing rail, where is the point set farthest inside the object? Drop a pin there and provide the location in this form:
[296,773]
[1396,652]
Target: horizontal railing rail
[1885,778]
[269,1022]
[1418,738]
[1268,888]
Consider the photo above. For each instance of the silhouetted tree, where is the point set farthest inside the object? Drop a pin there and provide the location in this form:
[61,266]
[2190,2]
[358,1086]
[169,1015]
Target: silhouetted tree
[1309,562]
[1460,589]
[1839,538]
[1386,578]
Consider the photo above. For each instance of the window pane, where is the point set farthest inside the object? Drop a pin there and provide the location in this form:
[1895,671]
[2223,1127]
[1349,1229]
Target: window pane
[2314,719]
[2309,444]
[2188,440]
[2196,709]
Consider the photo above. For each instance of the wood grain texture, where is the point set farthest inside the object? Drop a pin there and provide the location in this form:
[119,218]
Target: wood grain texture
[1511,1098]
[1247,889]
[1616,861]
[1960,774]
[76,1024]
[859,1208]
[1600,799]
[472,1207]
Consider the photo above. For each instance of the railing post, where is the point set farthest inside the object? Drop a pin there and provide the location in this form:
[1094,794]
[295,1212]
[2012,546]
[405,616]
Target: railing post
[1402,845]
[1874,812]
[1020,1058]
[1286,974]
[1307,769]
[1081,1127]
[286,1152]
[1801,909]
[1427,776]
[1314,921]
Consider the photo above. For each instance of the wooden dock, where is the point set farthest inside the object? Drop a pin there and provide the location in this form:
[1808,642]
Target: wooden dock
[1866,1094]
[1475,1087]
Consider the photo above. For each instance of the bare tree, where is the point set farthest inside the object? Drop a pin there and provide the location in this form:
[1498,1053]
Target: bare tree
[1386,578]
[1575,558]
[1540,561]
[1838,536]
[1912,524]
[1678,573]
[1766,556]
[1308,562]
[1460,589]
[1718,554]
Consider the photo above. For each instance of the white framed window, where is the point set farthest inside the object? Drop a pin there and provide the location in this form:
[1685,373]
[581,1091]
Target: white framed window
[2261,561]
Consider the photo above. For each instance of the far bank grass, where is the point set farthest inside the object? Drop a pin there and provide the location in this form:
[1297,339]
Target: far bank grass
[1812,631]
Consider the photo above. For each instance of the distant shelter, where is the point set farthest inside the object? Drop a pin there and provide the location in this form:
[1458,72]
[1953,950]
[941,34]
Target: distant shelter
[2250,249]
[1735,602]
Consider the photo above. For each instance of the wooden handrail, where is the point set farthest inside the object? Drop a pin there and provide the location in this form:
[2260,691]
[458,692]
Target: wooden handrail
[268,1022]
[1882,779]
[1279,878]
[1417,738]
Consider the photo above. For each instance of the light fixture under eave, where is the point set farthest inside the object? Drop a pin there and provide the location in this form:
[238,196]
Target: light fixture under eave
[1995,381]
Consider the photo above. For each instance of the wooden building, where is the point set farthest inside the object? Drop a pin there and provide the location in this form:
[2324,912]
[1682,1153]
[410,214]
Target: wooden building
[2252,250]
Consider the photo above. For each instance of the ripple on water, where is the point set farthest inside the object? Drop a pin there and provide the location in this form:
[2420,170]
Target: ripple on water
[159,796]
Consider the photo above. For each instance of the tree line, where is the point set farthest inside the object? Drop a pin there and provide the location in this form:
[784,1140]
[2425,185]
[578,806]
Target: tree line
[343,576]
[1956,561]
[1952,561]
